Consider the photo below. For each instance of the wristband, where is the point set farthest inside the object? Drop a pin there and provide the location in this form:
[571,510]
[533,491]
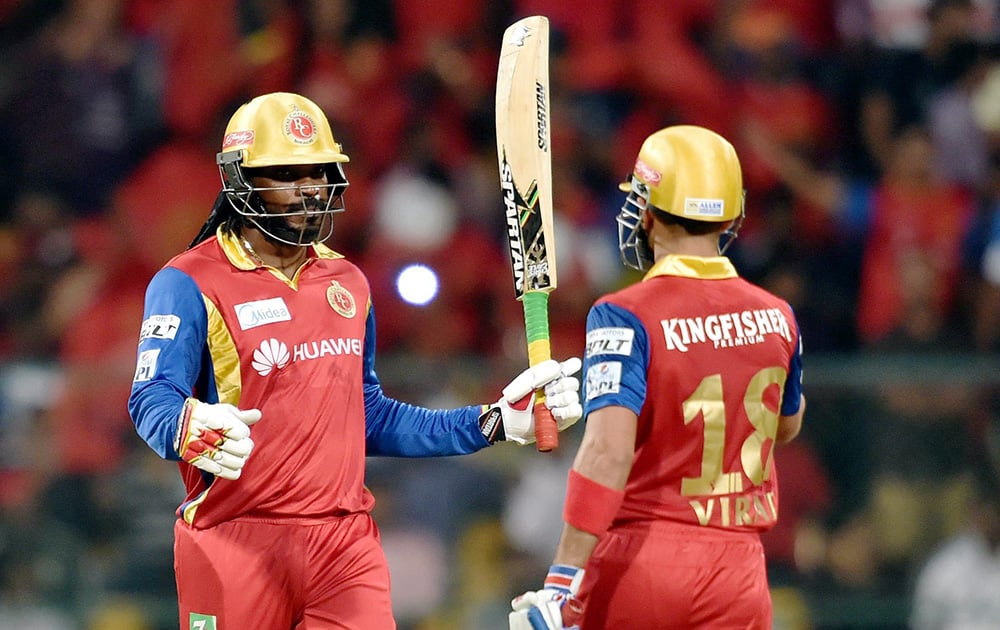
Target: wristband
[184,426]
[564,577]
[491,424]
[590,506]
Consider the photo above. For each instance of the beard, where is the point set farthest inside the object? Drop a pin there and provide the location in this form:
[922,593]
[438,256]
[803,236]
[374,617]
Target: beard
[314,227]
[279,230]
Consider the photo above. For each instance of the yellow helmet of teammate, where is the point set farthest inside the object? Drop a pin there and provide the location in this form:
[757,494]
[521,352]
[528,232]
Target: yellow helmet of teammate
[280,129]
[686,171]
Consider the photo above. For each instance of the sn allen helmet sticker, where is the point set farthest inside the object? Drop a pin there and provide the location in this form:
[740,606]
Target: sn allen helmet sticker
[340,299]
[299,127]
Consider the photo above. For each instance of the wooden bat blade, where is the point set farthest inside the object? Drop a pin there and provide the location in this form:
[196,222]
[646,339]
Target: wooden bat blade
[523,153]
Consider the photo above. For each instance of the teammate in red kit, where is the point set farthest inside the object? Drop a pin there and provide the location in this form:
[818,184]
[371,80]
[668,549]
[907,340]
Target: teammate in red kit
[692,375]
[258,328]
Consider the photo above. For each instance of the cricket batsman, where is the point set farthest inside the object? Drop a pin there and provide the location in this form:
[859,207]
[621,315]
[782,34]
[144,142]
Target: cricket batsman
[256,374]
[692,377]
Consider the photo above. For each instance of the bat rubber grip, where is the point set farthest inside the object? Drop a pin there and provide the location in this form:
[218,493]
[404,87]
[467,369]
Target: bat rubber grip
[536,323]
[546,430]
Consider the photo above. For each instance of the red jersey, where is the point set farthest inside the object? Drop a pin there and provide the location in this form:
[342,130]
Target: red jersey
[222,328]
[708,361]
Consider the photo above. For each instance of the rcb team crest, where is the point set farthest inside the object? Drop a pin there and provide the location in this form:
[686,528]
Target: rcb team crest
[340,299]
[299,127]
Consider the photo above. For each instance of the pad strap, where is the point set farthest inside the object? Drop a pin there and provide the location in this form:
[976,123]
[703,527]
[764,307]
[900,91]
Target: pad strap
[590,506]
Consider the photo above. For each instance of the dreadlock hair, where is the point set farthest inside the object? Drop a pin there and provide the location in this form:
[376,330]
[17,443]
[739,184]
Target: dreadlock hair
[222,214]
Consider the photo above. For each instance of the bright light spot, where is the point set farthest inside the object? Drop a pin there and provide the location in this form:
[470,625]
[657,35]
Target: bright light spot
[417,284]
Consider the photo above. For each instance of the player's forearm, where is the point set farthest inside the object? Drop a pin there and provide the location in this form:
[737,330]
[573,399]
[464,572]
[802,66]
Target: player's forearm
[398,429]
[789,426]
[154,409]
[595,487]
[575,547]
[608,448]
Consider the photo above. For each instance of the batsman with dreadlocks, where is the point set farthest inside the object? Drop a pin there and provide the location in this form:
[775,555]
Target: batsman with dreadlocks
[256,373]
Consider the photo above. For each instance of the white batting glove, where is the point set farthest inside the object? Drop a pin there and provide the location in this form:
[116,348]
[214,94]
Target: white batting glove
[512,417]
[555,607]
[562,395]
[215,437]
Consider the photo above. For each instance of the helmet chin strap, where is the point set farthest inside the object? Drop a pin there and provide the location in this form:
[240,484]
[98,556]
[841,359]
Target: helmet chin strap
[729,234]
[278,230]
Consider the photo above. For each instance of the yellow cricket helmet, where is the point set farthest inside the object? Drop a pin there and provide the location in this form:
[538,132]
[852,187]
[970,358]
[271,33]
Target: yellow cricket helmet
[686,171]
[280,129]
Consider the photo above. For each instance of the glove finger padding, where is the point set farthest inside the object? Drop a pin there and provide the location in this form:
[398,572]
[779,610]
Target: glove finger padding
[536,610]
[529,619]
[516,405]
[533,378]
[237,448]
[234,423]
[215,437]
[562,395]
[547,375]
[230,462]
[571,366]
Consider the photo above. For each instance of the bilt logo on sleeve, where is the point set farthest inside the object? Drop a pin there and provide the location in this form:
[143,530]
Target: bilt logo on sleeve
[197,621]
[340,299]
[160,327]
[609,341]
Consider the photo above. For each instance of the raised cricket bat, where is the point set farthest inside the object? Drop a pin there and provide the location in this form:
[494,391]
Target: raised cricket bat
[523,151]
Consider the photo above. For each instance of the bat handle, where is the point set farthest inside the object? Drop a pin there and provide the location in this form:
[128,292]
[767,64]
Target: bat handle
[536,322]
[546,430]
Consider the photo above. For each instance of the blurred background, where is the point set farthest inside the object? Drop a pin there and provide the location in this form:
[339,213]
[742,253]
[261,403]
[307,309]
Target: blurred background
[869,132]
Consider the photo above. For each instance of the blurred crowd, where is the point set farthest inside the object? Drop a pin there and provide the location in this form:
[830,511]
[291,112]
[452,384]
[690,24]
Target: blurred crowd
[869,132]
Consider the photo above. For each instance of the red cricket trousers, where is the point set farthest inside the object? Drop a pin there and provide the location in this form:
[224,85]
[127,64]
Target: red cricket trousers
[673,576]
[283,575]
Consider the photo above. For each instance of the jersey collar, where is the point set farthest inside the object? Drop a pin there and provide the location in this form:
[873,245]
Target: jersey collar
[713,268]
[240,259]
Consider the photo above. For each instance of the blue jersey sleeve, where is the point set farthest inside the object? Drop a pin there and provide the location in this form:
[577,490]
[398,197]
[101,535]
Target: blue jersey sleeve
[615,360]
[394,428]
[169,360]
[791,398]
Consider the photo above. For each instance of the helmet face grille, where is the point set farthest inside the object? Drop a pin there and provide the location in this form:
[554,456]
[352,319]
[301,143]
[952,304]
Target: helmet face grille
[633,244]
[317,204]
